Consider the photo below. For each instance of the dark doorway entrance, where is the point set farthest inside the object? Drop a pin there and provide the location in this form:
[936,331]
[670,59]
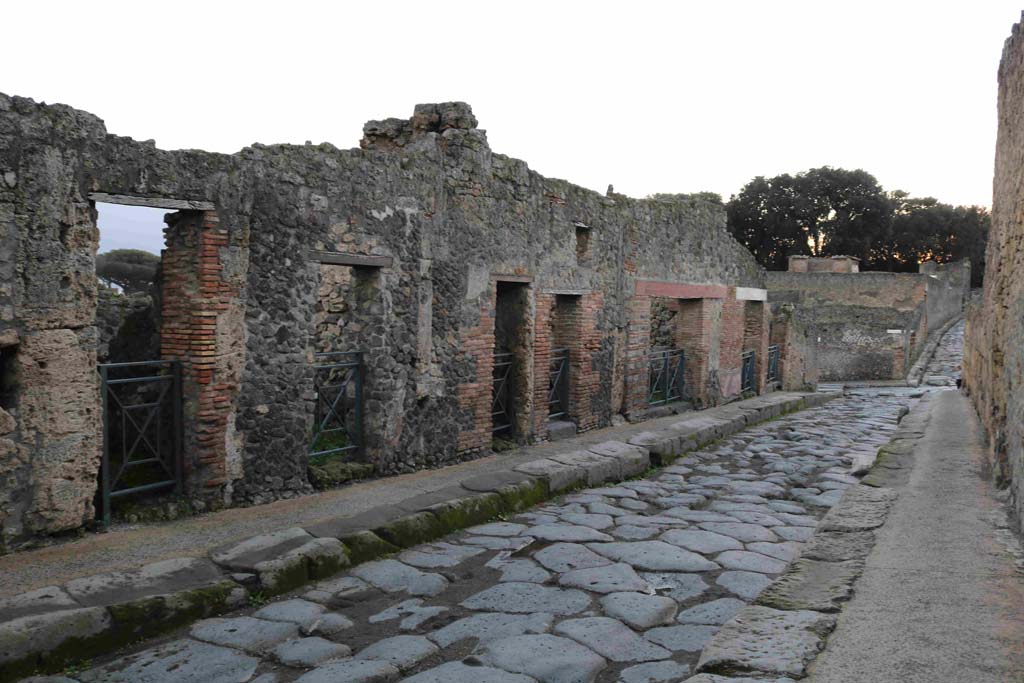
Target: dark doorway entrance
[511,359]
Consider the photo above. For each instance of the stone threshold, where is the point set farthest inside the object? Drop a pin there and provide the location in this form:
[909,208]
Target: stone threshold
[43,630]
[779,635]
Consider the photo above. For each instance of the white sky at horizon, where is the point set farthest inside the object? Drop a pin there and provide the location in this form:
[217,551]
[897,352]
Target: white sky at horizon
[648,96]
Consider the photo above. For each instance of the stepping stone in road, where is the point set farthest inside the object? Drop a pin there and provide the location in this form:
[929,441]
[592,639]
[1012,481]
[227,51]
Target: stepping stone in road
[487,627]
[520,598]
[613,578]
[748,533]
[701,541]
[563,557]
[457,672]
[612,639]
[245,633]
[654,555]
[685,638]
[550,659]
[744,584]
[750,562]
[714,613]
[639,610]
[403,652]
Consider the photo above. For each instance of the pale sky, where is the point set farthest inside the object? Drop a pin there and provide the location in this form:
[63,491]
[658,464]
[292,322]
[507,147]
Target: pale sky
[649,96]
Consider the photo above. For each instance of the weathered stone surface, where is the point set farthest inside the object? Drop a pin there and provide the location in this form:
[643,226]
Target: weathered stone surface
[612,578]
[744,584]
[654,556]
[497,529]
[303,613]
[863,508]
[40,601]
[519,569]
[245,633]
[768,641]
[559,475]
[750,562]
[611,639]
[569,533]
[683,638]
[437,555]
[563,557]
[394,577]
[547,658]
[180,661]
[309,652]
[411,612]
[27,640]
[599,469]
[654,672]
[632,459]
[679,586]
[700,541]
[715,612]
[520,598]
[487,627]
[403,652]
[159,578]
[246,555]
[457,672]
[748,533]
[639,610]
[352,671]
[838,546]
[711,678]
[813,585]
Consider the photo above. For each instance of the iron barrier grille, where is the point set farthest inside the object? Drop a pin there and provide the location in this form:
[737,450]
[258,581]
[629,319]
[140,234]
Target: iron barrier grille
[338,416]
[667,381]
[142,435]
[501,414]
[558,387]
[773,363]
[747,375]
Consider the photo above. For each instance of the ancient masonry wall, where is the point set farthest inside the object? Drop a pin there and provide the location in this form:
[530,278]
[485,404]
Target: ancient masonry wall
[993,367]
[429,220]
[872,325]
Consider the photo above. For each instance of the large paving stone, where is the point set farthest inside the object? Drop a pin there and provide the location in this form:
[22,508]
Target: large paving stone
[682,638]
[863,508]
[352,671]
[794,533]
[654,672]
[750,562]
[435,555]
[838,546]
[159,578]
[599,468]
[457,672]
[244,556]
[611,639]
[633,460]
[785,551]
[487,627]
[639,610]
[563,557]
[559,475]
[767,641]
[813,585]
[40,601]
[700,541]
[497,529]
[180,661]
[306,653]
[612,578]
[412,613]
[589,519]
[403,652]
[744,584]
[27,641]
[569,533]
[393,576]
[245,633]
[713,613]
[678,586]
[520,598]
[519,569]
[654,556]
[302,613]
[547,658]
[748,533]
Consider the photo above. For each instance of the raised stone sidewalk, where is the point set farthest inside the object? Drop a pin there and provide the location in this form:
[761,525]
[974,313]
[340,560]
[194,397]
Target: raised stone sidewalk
[43,628]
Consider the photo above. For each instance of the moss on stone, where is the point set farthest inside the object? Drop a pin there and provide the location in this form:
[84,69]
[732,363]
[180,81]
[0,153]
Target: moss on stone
[524,495]
[411,530]
[364,546]
[470,511]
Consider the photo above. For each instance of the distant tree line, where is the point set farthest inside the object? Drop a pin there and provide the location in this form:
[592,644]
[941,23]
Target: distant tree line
[832,211]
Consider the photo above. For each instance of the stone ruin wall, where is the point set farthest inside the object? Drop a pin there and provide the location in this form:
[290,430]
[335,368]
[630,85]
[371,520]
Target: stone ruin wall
[426,197]
[993,366]
[850,315]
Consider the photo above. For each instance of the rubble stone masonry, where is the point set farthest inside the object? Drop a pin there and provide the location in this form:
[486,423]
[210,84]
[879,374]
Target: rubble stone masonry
[430,220]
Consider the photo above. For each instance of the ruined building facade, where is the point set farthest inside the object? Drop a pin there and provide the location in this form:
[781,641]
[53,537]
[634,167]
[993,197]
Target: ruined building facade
[439,261]
[993,371]
[870,325]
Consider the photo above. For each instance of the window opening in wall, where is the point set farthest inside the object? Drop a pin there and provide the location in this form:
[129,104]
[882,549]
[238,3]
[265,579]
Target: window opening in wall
[582,242]
[511,354]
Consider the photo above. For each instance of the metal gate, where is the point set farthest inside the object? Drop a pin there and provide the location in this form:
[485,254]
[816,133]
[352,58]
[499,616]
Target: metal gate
[773,363]
[501,402]
[558,386]
[747,374]
[338,414]
[142,430]
[667,372]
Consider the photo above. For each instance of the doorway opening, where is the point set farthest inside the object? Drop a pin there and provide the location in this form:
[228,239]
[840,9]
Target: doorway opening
[509,418]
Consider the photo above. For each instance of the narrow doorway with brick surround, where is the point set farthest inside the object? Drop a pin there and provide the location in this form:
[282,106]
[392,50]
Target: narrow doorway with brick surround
[666,359]
[755,345]
[565,353]
[512,381]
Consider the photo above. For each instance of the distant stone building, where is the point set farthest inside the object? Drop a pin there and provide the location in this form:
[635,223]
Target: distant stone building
[869,325]
[407,304]
[993,372]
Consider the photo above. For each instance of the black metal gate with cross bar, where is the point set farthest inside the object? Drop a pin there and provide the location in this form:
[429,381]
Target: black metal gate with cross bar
[142,430]
[667,376]
[558,385]
[338,416]
[501,398]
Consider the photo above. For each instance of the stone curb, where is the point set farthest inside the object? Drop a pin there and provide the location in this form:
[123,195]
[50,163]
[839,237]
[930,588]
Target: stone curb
[787,625]
[45,629]
[916,375]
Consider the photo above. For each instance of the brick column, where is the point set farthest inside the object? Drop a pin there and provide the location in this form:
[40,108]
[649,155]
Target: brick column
[543,342]
[731,346]
[201,315]
[475,397]
[638,346]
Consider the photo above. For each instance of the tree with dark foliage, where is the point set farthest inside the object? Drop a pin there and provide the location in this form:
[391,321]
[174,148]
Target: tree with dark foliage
[831,211]
[133,270]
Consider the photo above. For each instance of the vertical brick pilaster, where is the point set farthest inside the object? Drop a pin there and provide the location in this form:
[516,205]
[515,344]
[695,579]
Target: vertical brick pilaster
[638,346]
[731,345]
[476,396]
